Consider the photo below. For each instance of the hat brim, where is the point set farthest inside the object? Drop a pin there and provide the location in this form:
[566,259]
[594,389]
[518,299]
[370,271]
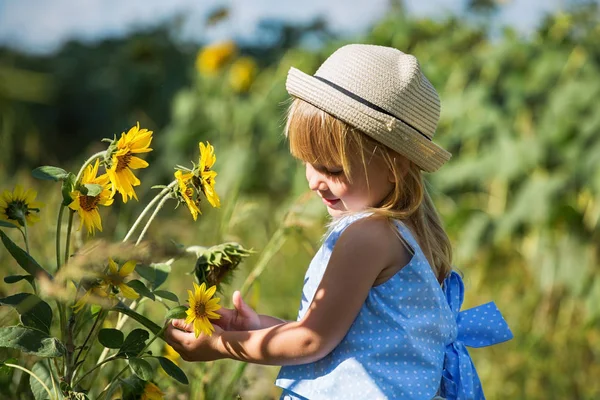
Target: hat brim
[384,128]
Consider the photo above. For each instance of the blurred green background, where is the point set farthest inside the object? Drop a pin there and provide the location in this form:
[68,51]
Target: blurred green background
[520,197]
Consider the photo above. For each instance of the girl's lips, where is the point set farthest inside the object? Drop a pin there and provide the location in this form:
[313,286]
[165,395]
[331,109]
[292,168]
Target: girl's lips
[330,203]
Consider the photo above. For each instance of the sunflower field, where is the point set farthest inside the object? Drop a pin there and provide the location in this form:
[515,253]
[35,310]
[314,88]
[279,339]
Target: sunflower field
[111,226]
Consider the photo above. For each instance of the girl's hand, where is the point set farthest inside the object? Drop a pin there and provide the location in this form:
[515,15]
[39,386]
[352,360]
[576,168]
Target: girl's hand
[240,318]
[181,337]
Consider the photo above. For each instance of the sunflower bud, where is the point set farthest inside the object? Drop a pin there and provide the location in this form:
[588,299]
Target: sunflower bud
[215,265]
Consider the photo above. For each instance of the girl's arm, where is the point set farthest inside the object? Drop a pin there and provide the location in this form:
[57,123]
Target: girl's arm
[363,250]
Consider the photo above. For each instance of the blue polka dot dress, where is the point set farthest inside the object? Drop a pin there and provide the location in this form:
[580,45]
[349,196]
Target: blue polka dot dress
[407,342]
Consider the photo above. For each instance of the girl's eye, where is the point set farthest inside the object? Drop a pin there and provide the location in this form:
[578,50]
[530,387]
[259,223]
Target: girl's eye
[334,172]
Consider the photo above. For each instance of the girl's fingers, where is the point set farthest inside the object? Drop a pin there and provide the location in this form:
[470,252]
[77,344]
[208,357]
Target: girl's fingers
[180,324]
[239,304]
[174,336]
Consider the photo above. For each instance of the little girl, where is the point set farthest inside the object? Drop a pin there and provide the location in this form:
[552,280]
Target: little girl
[379,316]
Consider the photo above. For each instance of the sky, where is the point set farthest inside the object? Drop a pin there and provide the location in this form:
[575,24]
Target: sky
[41,26]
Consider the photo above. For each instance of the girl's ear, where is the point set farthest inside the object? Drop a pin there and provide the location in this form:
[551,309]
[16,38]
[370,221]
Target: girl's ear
[400,169]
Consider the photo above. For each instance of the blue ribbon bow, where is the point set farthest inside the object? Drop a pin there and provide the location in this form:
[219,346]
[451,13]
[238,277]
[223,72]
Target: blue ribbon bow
[477,327]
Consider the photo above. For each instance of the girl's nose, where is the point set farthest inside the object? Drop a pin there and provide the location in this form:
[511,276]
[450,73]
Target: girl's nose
[315,179]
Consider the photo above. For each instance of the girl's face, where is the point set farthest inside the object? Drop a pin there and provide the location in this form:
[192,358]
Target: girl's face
[367,189]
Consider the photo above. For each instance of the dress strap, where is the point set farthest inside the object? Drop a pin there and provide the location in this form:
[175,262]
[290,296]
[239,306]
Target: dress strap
[477,327]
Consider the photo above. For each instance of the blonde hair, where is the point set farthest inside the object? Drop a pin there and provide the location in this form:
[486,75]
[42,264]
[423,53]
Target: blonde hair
[319,138]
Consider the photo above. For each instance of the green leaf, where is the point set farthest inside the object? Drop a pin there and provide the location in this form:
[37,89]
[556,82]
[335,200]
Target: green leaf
[6,224]
[17,278]
[123,309]
[45,374]
[34,312]
[141,368]
[173,370]
[132,387]
[23,259]
[91,189]
[31,341]
[111,338]
[6,370]
[165,294]
[68,186]
[49,173]
[178,312]
[135,342]
[95,309]
[139,287]
[156,274]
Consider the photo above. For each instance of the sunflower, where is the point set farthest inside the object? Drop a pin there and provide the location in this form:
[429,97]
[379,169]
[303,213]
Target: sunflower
[242,73]
[98,290]
[207,175]
[87,206]
[123,161]
[202,309]
[151,392]
[20,206]
[116,277]
[187,192]
[105,286]
[212,58]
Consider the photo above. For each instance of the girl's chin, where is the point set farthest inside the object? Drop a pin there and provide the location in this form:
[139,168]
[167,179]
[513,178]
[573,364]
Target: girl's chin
[334,212]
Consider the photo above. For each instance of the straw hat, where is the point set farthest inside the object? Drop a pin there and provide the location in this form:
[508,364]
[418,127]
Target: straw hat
[382,92]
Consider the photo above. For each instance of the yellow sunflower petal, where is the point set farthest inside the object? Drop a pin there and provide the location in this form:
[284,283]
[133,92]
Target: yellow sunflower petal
[211,291]
[81,302]
[128,292]
[137,163]
[18,192]
[190,318]
[112,267]
[127,268]
[7,195]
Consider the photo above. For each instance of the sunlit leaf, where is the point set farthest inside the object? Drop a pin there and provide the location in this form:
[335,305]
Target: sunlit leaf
[141,368]
[34,312]
[31,341]
[173,370]
[49,173]
[23,259]
[176,312]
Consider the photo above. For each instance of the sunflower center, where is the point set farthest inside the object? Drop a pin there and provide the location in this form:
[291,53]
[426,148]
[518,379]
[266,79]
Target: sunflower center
[189,193]
[16,210]
[123,161]
[200,309]
[88,203]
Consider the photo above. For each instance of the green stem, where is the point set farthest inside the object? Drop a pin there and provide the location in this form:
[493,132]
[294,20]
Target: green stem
[88,162]
[26,235]
[139,354]
[52,377]
[32,374]
[156,210]
[109,359]
[148,207]
[101,315]
[68,240]
[58,227]
[63,319]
